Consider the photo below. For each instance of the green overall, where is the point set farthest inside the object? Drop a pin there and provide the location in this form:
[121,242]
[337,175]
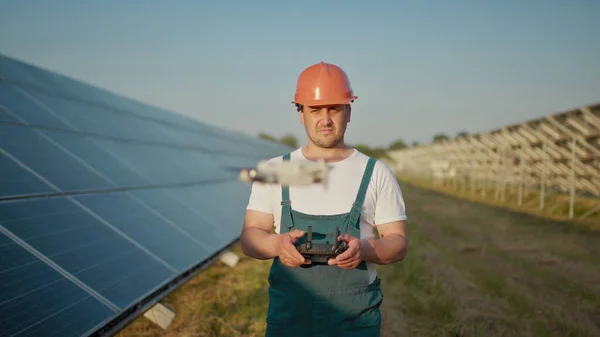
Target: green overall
[318,299]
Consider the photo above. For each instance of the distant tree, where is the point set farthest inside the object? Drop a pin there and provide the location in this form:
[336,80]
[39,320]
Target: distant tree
[415,143]
[380,152]
[462,134]
[397,145]
[362,148]
[265,136]
[377,152]
[440,137]
[289,140]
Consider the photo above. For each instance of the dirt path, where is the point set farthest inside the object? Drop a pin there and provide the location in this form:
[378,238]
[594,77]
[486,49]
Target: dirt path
[477,270]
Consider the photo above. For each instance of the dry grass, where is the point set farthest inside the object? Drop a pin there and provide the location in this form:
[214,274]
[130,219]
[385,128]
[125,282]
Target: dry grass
[221,301]
[472,270]
[556,205]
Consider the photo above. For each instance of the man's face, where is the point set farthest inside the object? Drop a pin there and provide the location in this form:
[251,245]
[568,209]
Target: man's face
[325,125]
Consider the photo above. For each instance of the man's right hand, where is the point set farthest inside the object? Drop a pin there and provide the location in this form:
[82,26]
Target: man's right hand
[286,249]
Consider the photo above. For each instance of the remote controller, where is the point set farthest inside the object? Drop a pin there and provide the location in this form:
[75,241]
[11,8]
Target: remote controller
[321,252]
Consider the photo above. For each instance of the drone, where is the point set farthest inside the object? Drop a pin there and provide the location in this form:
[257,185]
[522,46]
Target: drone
[300,174]
[288,173]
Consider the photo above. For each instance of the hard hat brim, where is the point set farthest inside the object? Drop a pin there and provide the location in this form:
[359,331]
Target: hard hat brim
[325,101]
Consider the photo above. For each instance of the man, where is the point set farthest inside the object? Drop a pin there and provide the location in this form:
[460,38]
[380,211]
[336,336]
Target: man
[341,297]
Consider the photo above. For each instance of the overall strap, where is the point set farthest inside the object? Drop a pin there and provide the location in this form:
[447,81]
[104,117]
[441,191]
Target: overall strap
[360,196]
[286,205]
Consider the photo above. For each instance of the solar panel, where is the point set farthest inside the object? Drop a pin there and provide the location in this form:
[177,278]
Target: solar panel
[37,300]
[106,203]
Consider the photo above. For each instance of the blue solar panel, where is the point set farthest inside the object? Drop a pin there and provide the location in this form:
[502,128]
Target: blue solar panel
[32,149]
[106,202]
[16,181]
[85,247]
[36,300]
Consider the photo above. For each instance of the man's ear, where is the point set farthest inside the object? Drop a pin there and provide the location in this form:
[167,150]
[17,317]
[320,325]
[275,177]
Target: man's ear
[300,110]
[349,113]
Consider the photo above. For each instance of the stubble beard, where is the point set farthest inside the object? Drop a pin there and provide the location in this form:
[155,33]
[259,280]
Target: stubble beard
[326,143]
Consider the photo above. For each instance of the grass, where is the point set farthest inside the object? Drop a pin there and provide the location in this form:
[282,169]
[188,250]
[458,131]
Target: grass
[556,205]
[221,301]
[473,269]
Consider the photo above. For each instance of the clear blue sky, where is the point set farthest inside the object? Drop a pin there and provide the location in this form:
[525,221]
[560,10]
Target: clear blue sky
[418,67]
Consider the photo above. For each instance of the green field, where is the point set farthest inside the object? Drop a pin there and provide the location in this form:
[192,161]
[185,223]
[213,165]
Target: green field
[471,270]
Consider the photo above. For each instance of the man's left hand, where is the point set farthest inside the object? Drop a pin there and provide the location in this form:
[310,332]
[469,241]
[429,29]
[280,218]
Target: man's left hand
[352,257]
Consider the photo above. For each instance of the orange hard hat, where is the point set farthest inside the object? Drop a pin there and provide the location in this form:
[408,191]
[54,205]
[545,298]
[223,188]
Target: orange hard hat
[323,84]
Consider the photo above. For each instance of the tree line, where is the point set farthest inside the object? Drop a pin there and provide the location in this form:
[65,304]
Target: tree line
[378,152]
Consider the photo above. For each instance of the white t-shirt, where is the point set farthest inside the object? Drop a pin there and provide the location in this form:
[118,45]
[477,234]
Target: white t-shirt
[383,203]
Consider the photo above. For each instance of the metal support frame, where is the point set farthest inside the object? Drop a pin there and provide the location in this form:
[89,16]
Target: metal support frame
[558,153]
[573,177]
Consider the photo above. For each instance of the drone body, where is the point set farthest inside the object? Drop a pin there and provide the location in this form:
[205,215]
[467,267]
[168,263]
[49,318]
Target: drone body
[288,173]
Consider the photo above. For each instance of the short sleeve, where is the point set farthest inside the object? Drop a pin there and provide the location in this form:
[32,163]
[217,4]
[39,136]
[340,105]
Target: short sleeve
[261,198]
[389,203]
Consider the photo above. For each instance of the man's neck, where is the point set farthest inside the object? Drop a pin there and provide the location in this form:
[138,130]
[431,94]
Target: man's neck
[338,153]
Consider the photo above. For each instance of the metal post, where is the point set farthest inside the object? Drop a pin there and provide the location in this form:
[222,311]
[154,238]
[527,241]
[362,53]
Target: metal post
[543,180]
[505,168]
[472,176]
[572,196]
[526,185]
[486,169]
[455,180]
[497,178]
[521,167]
[465,180]
[485,185]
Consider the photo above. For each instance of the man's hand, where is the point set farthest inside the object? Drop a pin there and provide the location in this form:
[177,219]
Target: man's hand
[352,257]
[287,251]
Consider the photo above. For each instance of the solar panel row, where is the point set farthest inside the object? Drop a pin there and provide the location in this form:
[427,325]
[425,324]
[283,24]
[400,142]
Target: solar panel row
[104,201]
